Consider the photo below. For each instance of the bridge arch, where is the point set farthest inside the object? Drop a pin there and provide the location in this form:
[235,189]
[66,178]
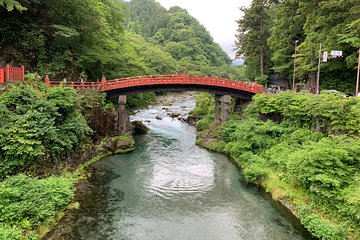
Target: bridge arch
[218,86]
[221,87]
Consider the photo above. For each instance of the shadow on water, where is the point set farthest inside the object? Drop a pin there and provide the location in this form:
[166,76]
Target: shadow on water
[93,219]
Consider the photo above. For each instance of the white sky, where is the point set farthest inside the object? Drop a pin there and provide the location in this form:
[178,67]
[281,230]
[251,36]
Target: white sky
[218,17]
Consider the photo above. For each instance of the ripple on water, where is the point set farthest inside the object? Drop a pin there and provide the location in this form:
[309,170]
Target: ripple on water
[169,179]
[168,188]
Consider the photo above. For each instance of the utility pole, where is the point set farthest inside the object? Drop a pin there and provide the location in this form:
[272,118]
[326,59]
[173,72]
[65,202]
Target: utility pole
[318,73]
[228,73]
[294,85]
[358,77]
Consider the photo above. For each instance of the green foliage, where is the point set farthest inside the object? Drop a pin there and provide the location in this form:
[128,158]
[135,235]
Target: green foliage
[62,38]
[329,113]
[268,31]
[26,202]
[321,228]
[7,232]
[140,100]
[40,124]
[305,150]
[179,34]
[252,36]
[205,105]
[10,5]
[263,79]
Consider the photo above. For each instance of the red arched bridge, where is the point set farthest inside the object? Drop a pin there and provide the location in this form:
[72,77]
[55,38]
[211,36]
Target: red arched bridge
[221,87]
[183,82]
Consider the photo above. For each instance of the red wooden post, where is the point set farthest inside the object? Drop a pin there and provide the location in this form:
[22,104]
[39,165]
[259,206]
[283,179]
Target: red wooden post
[7,72]
[2,77]
[103,82]
[184,77]
[22,73]
[47,80]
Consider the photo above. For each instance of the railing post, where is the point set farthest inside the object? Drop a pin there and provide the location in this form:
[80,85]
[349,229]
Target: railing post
[7,72]
[22,72]
[103,82]
[185,77]
[47,80]
[2,77]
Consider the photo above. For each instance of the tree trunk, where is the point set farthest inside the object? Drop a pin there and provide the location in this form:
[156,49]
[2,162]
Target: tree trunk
[262,49]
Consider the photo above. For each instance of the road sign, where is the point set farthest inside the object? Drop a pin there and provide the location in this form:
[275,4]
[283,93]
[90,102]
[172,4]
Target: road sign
[325,56]
[336,53]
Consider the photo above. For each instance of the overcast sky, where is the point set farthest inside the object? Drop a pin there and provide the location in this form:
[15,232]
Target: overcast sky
[218,16]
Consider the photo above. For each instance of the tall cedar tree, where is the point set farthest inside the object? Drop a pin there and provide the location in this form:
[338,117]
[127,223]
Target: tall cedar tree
[252,36]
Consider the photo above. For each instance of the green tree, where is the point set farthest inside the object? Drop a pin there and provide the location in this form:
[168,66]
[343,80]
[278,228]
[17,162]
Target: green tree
[62,38]
[252,36]
[286,28]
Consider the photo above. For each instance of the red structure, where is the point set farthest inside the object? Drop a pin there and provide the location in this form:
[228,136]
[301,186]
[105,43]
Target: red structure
[162,80]
[9,73]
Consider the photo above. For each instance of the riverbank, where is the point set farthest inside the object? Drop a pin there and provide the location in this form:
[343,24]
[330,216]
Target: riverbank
[48,136]
[307,162]
[107,147]
[169,188]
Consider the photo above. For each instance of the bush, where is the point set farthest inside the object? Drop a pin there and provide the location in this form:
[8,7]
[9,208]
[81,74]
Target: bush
[10,232]
[307,148]
[27,202]
[38,124]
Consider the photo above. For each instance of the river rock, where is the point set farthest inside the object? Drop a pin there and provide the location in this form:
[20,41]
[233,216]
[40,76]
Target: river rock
[192,119]
[158,118]
[139,127]
[182,118]
[174,114]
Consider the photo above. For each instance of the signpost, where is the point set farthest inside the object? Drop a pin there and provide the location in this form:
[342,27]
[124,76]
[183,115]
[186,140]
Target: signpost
[326,58]
[336,54]
[318,73]
[358,76]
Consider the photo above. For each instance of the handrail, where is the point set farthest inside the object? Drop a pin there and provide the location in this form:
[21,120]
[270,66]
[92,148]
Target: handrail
[175,79]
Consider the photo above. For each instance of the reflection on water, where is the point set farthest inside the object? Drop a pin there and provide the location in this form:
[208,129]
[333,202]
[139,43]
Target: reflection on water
[171,189]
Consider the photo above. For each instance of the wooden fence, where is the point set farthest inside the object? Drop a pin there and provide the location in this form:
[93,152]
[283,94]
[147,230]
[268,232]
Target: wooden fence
[9,73]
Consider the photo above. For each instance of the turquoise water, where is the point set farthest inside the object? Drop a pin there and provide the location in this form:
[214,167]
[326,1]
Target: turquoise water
[169,188]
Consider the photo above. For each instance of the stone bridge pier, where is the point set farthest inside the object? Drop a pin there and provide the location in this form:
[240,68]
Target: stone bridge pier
[124,124]
[222,108]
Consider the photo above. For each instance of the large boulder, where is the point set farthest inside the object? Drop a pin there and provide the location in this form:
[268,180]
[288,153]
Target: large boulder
[139,127]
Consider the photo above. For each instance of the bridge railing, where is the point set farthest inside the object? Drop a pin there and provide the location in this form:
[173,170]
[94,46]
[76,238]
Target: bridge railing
[107,85]
[9,73]
[182,79]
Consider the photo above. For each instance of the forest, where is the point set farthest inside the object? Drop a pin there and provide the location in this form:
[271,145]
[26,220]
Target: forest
[302,148]
[47,135]
[115,38]
[271,30]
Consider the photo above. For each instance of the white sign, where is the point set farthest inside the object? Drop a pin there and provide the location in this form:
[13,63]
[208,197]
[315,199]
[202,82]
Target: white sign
[336,53]
[325,56]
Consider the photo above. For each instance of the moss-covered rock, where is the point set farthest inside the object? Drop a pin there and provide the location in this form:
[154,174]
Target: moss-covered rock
[139,127]
[117,144]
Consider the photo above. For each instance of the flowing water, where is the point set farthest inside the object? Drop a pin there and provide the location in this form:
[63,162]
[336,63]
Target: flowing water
[171,189]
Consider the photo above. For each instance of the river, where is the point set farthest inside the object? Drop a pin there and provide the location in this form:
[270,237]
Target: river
[171,189]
